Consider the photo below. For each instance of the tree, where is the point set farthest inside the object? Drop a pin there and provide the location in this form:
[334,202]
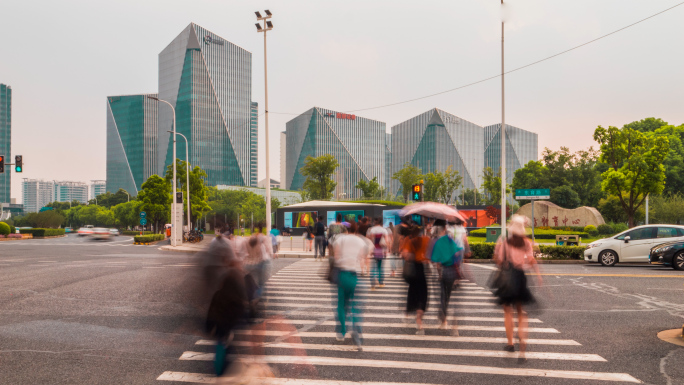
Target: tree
[127,214]
[565,196]
[452,182]
[407,177]
[532,175]
[318,172]
[472,196]
[44,219]
[369,189]
[434,187]
[155,196]
[666,209]
[228,204]
[109,200]
[198,188]
[635,165]
[492,186]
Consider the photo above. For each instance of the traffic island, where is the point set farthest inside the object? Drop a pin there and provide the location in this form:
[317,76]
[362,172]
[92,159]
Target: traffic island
[673,336]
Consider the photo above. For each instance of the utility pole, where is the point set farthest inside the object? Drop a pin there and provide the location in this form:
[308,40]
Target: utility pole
[267,27]
[503,134]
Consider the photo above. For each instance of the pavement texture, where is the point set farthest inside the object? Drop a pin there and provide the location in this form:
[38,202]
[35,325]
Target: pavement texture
[76,311]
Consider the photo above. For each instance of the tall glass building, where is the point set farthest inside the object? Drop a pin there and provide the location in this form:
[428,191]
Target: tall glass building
[358,144]
[131,141]
[208,80]
[6,140]
[36,194]
[435,140]
[521,147]
[97,188]
[66,191]
[253,143]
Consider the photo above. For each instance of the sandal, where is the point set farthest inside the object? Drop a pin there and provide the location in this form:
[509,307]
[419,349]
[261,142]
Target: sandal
[509,348]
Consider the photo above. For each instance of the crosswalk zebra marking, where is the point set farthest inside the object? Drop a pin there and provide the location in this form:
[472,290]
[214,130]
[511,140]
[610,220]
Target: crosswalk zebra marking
[401,316]
[405,325]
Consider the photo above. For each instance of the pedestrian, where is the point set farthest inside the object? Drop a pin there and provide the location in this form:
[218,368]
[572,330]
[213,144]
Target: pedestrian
[378,235]
[513,255]
[393,231]
[413,250]
[335,228]
[447,254]
[319,238]
[309,237]
[259,256]
[350,249]
[363,230]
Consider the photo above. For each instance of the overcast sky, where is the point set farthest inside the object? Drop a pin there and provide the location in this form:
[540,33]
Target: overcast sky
[62,58]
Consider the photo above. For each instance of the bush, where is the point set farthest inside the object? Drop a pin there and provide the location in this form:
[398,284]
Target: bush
[4,228]
[148,238]
[619,227]
[591,230]
[540,234]
[482,250]
[12,228]
[486,251]
[42,232]
[605,229]
[127,232]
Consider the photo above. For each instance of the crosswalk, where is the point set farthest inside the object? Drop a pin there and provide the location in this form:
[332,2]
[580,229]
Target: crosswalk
[297,340]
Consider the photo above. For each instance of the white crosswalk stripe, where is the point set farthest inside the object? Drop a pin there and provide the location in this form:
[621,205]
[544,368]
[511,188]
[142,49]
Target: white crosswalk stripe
[299,329]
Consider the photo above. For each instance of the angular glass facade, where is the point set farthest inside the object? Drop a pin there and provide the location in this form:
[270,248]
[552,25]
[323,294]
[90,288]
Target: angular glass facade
[521,147]
[208,81]
[253,143]
[131,141]
[358,144]
[6,141]
[435,140]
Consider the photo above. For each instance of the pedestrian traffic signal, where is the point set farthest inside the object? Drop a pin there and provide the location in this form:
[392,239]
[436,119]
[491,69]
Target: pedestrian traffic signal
[179,197]
[2,163]
[18,163]
[417,192]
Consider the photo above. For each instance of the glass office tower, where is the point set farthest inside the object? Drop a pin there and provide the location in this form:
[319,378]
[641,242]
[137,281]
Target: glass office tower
[131,141]
[208,80]
[66,191]
[6,140]
[357,143]
[435,140]
[521,147]
[253,143]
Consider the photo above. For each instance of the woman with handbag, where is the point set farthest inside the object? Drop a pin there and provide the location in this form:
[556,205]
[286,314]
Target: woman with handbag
[447,254]
[413,251]
[514,255]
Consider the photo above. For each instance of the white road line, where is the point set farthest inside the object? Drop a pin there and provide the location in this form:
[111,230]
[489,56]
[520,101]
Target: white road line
[408,337]
[210,379]
[201,356]
[373,307]
[405,325]
[371,300]
[399,316]
[452,368]
[484,266]
[375,295]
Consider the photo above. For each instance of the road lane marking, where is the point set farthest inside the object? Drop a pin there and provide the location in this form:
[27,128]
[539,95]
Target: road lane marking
[614,275]
[409,337]
[376,295]
[412,326]
[296,305]
[400,316]
[269,297]
[211,379]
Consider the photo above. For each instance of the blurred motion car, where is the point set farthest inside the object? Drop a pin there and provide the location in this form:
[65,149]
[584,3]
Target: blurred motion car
[633,245]
[68,230]
[669,254]
[85,230]
[100,233]
[114,232]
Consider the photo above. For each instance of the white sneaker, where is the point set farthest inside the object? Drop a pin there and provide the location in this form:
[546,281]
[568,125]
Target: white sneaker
[339,337]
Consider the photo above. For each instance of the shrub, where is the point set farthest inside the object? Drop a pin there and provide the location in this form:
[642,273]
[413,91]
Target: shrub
[127,232]
[12,228]
[4,228]
[482,250]
[486,251]
[43,232]
[605,229]
[619,227]
[540,234]
[591,230]
[148,238]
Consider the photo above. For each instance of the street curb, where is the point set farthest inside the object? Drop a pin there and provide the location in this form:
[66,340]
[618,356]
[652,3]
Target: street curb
[171,248]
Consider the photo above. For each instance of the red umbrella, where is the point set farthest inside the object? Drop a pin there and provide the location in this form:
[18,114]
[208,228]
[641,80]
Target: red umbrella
[433,210]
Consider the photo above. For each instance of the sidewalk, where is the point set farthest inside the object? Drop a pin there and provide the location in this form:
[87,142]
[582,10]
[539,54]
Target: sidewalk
[187,247]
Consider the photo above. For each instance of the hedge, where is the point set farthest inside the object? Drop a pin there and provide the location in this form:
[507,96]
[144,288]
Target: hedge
[4,228]
[486,251]
[128,232]
[42,232]
[540,234]
[148,238]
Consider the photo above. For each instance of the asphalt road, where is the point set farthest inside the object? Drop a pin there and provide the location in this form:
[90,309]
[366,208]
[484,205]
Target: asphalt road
[76,311]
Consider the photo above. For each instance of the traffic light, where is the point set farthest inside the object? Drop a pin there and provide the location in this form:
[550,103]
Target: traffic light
[2,163]
[179,197]
[417,192]
[18,163]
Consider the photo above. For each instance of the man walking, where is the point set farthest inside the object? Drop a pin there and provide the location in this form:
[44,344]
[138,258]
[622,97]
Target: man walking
[319,238]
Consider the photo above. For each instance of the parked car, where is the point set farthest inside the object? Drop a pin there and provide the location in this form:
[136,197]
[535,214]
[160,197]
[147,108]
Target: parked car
[114,232]
[633,245]
[100,233]
[85,230]
[668,254]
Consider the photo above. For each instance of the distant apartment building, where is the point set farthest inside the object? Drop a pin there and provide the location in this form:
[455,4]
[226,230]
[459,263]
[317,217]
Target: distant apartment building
[98,187]
[66,191]
[37,194]
[5,140]
[274,183]
[283,157]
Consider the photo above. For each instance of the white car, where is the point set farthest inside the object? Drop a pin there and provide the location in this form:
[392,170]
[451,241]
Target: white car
[633,245]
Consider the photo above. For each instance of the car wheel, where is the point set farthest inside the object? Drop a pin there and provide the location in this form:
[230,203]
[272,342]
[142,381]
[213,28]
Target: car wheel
[678,261]
[608,258]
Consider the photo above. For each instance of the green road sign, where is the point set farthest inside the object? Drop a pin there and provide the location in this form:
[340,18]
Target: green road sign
[143,214]
[533,193]
[143,221]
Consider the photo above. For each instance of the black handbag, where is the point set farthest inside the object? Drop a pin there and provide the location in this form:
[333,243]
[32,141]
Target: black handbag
[333,272]
[409,270]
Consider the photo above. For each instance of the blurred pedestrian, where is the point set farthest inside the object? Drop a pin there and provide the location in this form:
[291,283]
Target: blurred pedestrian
[259,256]
[319,238]
[308,238]
[513,255]
[447,254]
[334,229]
[378,235]
[413,250]
[350,249]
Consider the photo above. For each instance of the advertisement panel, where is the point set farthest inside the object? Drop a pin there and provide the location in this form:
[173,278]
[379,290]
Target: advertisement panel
[477,218]
[390,216]
[347,215]
[299,219]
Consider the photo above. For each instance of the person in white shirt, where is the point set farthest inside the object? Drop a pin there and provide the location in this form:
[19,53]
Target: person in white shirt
[350,249]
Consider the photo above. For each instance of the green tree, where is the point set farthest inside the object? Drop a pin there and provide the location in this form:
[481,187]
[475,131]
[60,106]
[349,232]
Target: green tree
[318,172]
[226,205]
[198,188]
[452,182]
[155,196]
[434,187]
[492,186]
[635,165]
[565,196]
[666,209]
[109,200]
[127,214]
[369,189]
[407,177]
[532,175]
[470,196]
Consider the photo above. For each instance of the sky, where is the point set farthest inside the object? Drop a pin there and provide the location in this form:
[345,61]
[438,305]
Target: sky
[63,58]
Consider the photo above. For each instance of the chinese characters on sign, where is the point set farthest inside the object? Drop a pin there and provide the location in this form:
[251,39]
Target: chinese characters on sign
[340,115]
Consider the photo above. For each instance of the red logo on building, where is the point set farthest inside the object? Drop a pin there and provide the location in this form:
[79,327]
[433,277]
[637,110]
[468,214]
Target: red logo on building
[346,116]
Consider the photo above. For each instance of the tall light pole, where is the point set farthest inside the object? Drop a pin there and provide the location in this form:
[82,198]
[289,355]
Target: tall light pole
[267,27]
[503,133]
[174,226]
[187,174]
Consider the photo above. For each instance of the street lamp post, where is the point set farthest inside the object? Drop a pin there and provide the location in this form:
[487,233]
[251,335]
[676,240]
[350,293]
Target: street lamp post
[174,226]
[267,27]
[503,134]
[187,174]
